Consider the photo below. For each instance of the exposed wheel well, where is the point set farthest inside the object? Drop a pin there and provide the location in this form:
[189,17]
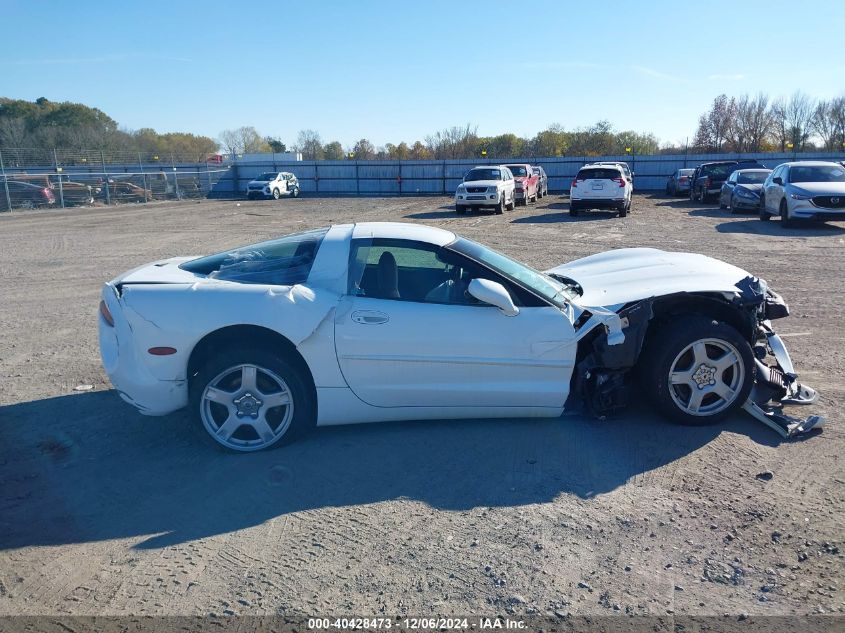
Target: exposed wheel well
[246,335]
[716,308]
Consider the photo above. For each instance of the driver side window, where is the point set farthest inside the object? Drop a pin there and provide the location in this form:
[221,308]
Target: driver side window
[405,270]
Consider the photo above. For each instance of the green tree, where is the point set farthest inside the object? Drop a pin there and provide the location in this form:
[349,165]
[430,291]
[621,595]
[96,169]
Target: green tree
[333,151]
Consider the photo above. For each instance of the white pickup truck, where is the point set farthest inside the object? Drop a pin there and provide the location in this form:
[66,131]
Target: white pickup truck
[273,184]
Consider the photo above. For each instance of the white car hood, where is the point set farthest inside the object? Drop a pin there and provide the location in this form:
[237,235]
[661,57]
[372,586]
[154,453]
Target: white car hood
[820,188]
[631,274]
[482,183]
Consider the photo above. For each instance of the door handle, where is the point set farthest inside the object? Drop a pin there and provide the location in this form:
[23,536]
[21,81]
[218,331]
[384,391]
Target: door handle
[369,317]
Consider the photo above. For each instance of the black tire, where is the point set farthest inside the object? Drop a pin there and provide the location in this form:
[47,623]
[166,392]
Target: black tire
[764,215]
[785,221]
[734,210]
[722,205]
[299,386]
[500,208]
[573,209]
[276,194]
[623,210]
[460,209]
[512,204]
[663,352]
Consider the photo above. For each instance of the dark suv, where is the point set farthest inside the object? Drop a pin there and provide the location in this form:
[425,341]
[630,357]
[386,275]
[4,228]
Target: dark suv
[707,179]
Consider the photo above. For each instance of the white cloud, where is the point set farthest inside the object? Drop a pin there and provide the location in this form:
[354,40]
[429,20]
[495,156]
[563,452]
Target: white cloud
[651,72]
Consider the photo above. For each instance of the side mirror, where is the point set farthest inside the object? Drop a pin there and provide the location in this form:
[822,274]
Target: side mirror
[777,180]
[493,294]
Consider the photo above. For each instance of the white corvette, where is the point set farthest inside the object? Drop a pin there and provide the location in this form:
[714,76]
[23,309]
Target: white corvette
[380,321]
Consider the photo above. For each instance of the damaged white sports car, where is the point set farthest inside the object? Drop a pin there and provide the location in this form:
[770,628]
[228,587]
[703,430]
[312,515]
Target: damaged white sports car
[379,321]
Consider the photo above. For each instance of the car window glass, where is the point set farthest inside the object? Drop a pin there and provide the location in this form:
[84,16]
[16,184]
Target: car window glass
[598,173]
[405,270]
[816,173]
[284,261]
[750,177]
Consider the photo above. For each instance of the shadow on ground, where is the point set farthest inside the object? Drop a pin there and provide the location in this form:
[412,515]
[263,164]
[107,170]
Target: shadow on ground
[86,467]
[755,226]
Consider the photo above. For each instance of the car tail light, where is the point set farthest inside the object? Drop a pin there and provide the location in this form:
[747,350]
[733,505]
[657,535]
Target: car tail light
[104,312]
[574,182]
[620,181]
[683,178]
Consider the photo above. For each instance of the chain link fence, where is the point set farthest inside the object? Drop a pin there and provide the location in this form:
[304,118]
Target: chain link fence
[41,178]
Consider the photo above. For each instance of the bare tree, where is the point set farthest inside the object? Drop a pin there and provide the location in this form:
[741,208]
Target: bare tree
[310,145]
[751,123]
[454,142]
[779,124]
[244,140]
[799,116]
[829,123]
[364,150]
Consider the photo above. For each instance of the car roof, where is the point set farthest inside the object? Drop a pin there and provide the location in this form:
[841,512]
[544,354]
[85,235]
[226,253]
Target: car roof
[813,163]
[746,169]
[602,165]
[403,231]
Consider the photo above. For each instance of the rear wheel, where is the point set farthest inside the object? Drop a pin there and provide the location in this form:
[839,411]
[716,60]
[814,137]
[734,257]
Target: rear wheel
[698,370]
[250,399]
[295,192]
[512,204]
[623,210]
[573,209]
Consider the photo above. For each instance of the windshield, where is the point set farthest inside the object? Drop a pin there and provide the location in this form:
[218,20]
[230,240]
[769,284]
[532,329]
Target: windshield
[817,174]
[518,170]
[285,261]
[483,174]
[752,177]
[267,176]
[540,283]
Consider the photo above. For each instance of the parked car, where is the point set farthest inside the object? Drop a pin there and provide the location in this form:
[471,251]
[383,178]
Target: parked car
[626,168]
[491,186]
[600,187]
[124,191]
[679,182]
[273,185]
[266,341]
[707,179]
[804,190]
[26,195]
[543,181]
[74,193]
[526,182]
[741,191]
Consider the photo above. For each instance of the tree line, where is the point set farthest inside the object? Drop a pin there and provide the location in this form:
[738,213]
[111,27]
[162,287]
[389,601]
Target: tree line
[44,125]
[759,124]
[731,124]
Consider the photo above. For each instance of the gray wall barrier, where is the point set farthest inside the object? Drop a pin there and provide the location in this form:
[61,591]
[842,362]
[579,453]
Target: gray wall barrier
[441,177]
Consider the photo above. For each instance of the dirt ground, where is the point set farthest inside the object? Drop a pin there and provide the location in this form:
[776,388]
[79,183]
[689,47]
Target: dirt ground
[104,511]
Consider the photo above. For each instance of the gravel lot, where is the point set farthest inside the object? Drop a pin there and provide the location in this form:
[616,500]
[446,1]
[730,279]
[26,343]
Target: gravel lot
[103,511]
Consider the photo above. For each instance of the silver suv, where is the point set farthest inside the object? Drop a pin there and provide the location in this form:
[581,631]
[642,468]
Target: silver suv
[804,190]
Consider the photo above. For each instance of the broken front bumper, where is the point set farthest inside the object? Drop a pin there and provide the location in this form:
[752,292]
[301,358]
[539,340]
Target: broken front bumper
[777,384]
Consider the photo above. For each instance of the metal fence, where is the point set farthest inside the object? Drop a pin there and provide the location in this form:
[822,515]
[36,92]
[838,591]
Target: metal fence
[33,178]
[67,178]
[441,177]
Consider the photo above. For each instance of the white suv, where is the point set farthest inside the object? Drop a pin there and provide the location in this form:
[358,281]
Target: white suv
[486,186]
[273,184]
[601,187]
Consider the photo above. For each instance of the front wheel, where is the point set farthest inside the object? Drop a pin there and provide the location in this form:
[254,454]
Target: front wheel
[697,371]
[460,209]
[785,221]
[276,194]
[250,399]
[764,215]
[500,208]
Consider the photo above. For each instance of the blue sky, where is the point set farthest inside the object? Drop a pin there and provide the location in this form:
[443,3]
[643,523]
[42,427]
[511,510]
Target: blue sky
[399,70]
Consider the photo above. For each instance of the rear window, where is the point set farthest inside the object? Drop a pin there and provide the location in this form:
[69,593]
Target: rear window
[283,262]
[518,170]
[598,173]
[719,171]
[752,177]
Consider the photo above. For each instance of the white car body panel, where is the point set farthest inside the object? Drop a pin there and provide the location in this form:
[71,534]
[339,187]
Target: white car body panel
[620,276]
[480,363]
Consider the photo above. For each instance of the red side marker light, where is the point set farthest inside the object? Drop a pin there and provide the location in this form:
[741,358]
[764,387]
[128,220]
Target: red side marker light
[162,351]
